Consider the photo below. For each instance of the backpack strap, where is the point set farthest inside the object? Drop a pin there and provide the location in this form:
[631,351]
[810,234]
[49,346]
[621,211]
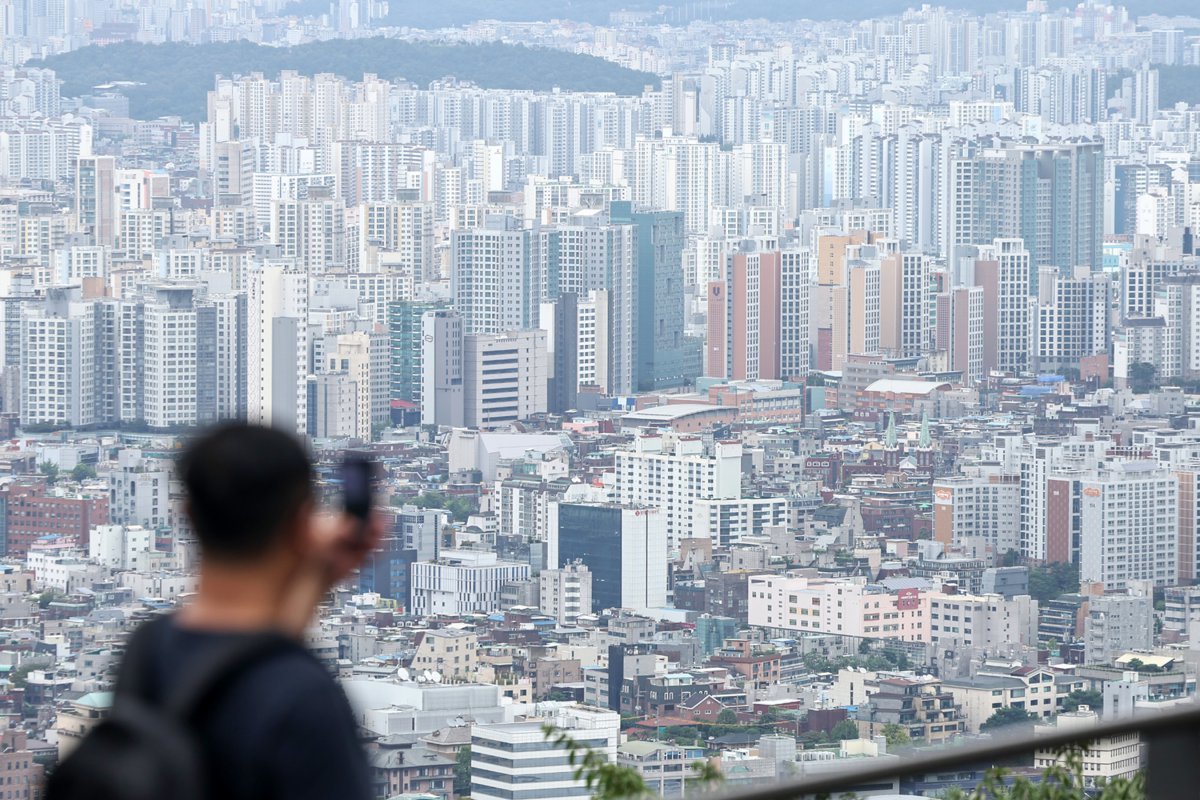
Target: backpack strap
[220,668]
[204,679]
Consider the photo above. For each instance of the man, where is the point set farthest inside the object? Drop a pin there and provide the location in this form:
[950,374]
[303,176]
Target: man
[283,728]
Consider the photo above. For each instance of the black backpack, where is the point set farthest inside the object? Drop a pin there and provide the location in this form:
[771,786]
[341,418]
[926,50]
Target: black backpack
[149,751]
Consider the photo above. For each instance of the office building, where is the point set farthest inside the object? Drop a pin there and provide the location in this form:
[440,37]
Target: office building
[517,759]
[848,606]
[462,582]
[504,378]
[623,547]
[674,477]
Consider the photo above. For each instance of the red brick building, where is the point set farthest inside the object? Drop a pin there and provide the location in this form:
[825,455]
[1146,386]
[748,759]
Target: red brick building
[28,511]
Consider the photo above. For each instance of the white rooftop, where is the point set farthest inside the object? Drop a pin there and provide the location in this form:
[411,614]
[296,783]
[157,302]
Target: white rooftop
[900,386]
[671,412]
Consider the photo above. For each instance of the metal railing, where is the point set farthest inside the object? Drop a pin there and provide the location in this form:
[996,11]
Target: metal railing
[1171,739]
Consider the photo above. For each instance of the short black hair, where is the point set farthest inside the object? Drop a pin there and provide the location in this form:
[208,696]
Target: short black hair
[244,484]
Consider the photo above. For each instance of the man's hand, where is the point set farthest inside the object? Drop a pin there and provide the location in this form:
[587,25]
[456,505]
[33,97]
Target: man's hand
[332,546]
[342,542]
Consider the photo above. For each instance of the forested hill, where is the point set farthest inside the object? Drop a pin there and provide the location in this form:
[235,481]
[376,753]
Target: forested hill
[175,78]
[449,13]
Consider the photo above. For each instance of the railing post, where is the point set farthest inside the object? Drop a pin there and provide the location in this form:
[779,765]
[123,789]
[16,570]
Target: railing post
[1173,764]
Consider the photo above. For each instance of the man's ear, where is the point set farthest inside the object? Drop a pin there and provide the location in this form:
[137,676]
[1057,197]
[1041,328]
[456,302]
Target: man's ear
[299,533]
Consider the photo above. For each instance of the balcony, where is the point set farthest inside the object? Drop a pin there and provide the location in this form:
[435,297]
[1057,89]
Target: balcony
[1170,743]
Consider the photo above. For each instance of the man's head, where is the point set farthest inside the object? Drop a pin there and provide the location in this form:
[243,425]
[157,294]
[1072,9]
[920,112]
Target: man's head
[247,488]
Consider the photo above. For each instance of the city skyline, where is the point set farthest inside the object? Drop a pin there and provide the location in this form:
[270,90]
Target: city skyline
[782,394]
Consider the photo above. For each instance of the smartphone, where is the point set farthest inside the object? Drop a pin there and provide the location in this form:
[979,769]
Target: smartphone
[357,491]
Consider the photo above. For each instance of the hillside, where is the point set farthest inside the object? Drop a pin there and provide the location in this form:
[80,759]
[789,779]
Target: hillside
[174,78]
[452,13]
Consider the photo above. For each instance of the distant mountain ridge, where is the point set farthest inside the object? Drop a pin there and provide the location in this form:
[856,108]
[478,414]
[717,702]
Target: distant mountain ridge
[175,78]
[453,13]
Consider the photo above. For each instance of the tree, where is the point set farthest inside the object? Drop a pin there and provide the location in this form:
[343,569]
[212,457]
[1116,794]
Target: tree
[1141,377]
[1082,697]
[1050,581]
[844,730]
[462,772]
[1011,559]
[49,470]
[769,715]
[83,472]
[895,735]
[1009,715]
[1062,781]
[605,780]
[727,717]
[707,775]
[49,596]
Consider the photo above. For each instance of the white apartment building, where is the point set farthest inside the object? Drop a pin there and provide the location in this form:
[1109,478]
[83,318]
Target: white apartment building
[726,522]
[1003,269]
[592,340]
[1117,624]
[170,365]
[517,760]
[979,513]
[1129,525]
[1105,758]
[796,275]
[57,352]
[566,592]
[656,474]
[1072,317]
[121,547]
[492,282]
[363,358]
[848,606]
[987,622]
[462,582]
[277,350]
[139,488]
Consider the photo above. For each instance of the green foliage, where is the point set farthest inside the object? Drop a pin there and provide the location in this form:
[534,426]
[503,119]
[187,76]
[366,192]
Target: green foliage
[707,776]
[895,735]
[175,78]
[1178,84]
[604,779]
[49,470]
[1083,697]
[1011,559]
[874,660]
[454,13]
[459,507]
[727,717]
[1063,781]
[83,472]
[1009,715]
[1053,580]
[49,596]
[19,675]
[462,772]
[1141,377]
[845,729]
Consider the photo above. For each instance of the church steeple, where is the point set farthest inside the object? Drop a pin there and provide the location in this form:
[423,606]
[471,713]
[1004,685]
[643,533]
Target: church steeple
[889,436]
[926,439]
